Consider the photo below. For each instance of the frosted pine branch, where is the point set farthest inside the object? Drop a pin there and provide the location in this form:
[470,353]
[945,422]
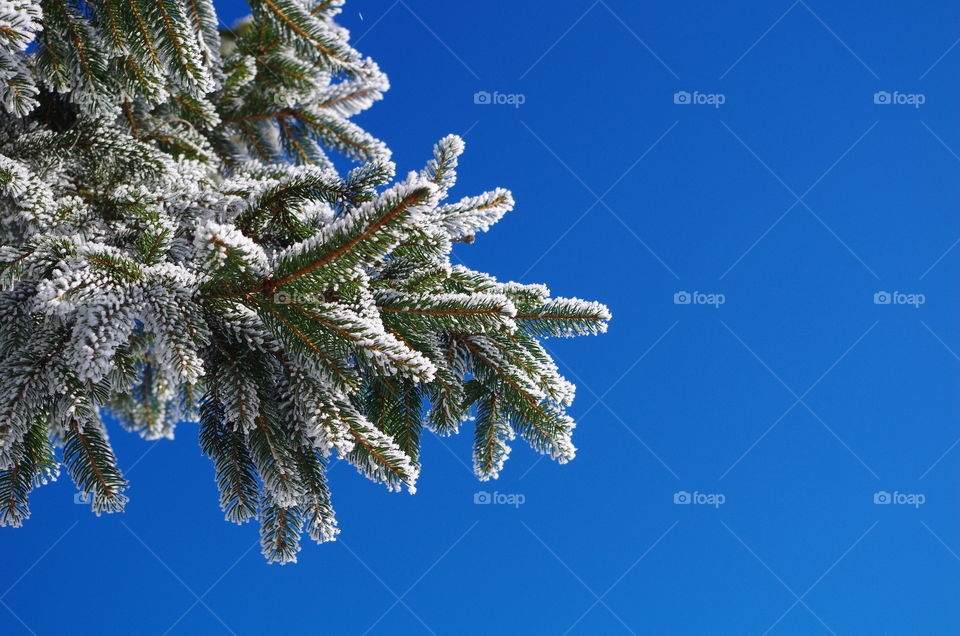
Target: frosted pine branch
[178,247]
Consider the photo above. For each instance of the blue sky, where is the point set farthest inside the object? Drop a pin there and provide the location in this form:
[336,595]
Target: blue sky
[794,402]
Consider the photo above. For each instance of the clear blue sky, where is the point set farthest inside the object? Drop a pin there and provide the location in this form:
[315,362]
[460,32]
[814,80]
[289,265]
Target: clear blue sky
[797,399]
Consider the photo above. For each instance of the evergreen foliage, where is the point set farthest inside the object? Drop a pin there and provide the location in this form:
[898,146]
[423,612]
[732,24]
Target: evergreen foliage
[177,246]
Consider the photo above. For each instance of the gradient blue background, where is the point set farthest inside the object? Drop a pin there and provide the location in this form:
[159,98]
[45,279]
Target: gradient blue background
[799,519]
